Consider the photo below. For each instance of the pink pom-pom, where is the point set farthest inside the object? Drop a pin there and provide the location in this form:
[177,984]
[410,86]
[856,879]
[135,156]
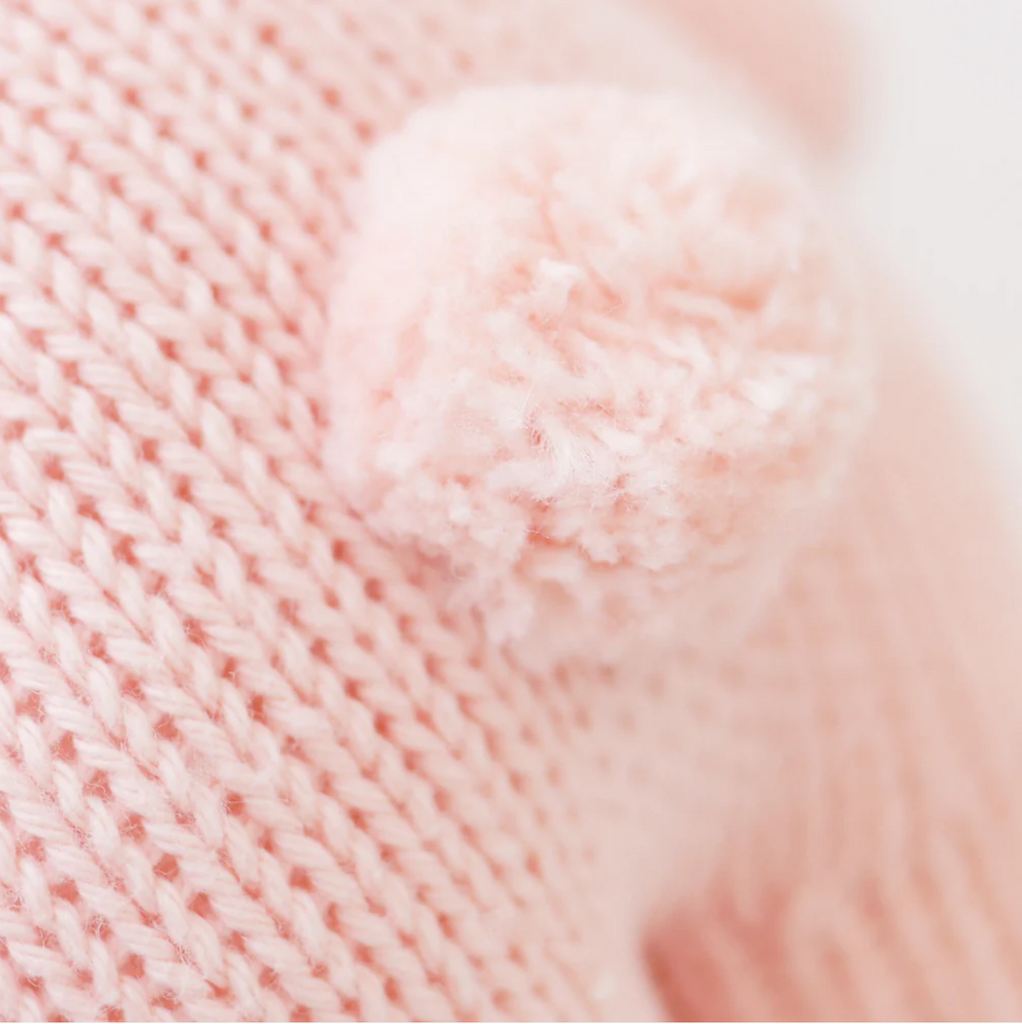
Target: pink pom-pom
[591,350]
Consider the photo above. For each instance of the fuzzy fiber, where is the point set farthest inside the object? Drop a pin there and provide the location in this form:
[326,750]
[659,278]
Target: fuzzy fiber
[310,311]
[599,354]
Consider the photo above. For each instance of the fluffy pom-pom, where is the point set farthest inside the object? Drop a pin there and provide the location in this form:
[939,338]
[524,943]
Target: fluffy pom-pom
[592,352]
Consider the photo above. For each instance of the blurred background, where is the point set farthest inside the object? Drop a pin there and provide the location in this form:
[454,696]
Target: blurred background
[937,184]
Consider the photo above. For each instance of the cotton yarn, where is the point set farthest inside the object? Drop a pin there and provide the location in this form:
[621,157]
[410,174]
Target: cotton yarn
[252,764]
[600,354]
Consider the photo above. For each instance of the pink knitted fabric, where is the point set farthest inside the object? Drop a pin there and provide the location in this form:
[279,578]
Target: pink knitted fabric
[270,749]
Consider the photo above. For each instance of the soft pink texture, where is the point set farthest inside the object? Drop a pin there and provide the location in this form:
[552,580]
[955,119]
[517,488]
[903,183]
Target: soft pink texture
[250,768]
[796,52]
[598,355]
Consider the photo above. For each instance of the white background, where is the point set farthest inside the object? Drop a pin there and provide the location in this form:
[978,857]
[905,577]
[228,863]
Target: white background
[937,184]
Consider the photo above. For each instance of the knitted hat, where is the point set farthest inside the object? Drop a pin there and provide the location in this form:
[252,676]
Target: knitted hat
[431,586]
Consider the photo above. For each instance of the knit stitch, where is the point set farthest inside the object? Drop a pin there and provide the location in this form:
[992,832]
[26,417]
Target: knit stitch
[251,765]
